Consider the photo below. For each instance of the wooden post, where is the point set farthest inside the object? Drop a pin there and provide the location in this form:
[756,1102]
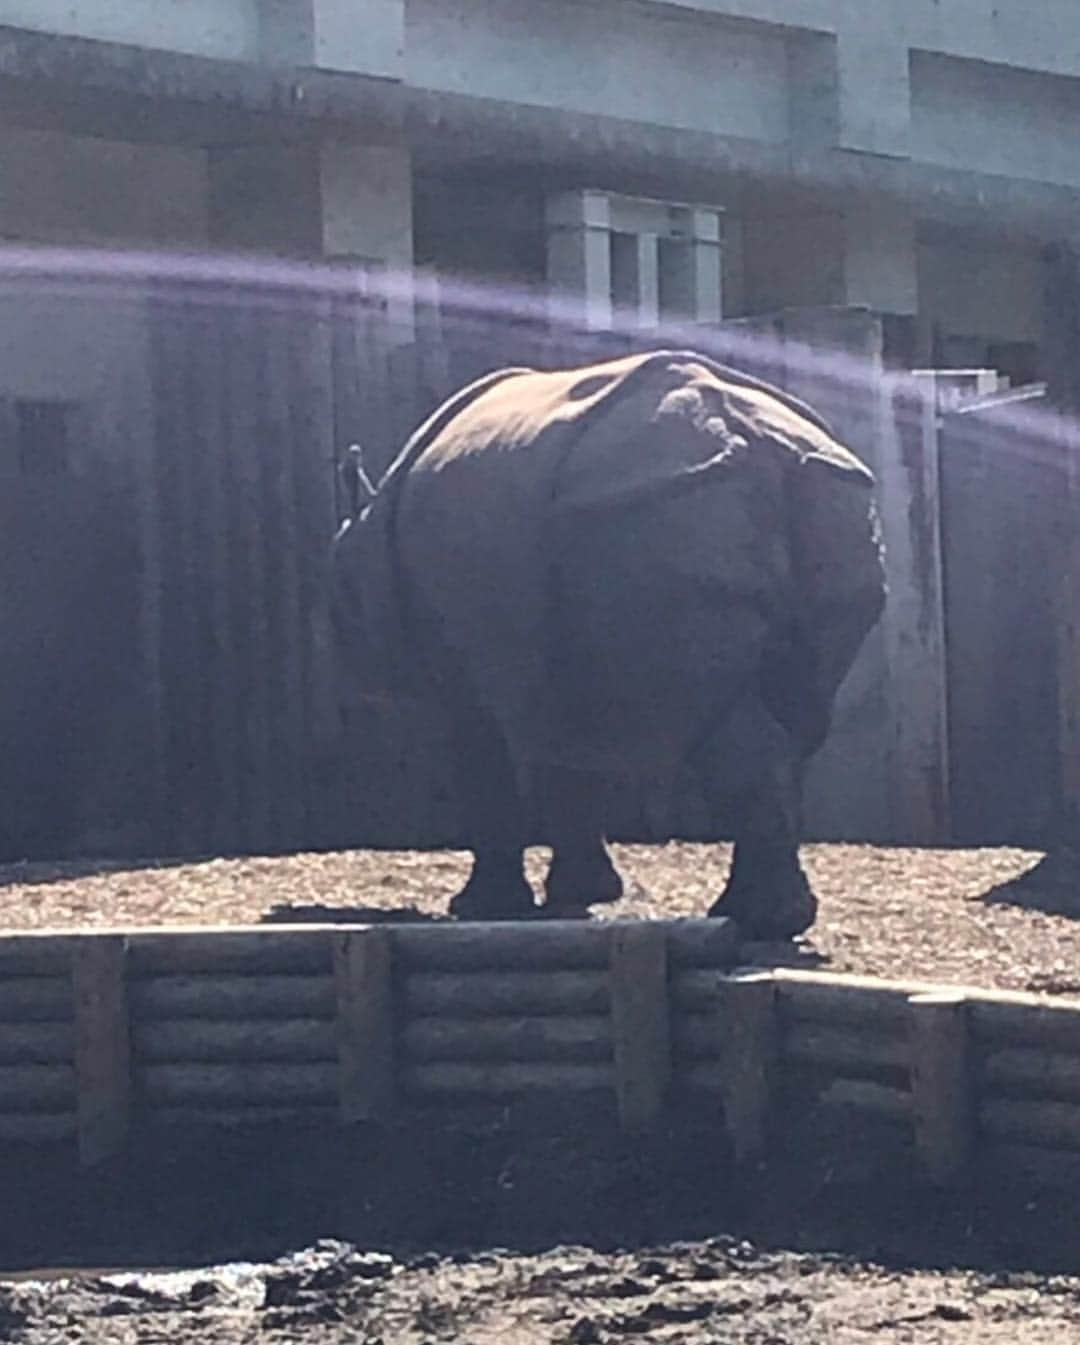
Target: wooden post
[102,1046]
[940,1085]
[749,1037]
[640,1020]
[1061,342]
[363,975]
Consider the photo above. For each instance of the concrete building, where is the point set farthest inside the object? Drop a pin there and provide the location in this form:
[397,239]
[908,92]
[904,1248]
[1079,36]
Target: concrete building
[911,156]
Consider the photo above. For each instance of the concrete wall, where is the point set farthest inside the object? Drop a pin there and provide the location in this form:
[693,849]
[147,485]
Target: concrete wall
[992,119]
[968,288]
[223,28]
[641,62]
[72,189]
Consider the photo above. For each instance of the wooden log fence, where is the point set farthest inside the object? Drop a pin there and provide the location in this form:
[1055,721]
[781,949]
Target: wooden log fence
[102,1033]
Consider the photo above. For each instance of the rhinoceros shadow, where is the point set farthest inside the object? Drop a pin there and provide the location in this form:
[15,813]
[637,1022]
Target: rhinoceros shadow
[1052,886]
[318,914]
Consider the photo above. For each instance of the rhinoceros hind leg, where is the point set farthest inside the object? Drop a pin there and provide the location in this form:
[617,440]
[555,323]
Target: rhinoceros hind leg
[496,890]
[577,880]
[767,892]
[771,902]
[494,823]
[581,872]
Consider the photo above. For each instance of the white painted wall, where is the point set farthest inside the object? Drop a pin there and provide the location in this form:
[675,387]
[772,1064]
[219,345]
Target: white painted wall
[73,189]
[619,59]
[224,28]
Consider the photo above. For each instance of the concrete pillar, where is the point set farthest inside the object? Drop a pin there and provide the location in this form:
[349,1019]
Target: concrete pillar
[579,254]
[691,268]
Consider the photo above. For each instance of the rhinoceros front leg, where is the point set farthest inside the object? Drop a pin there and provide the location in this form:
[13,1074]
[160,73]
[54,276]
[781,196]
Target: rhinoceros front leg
[494,824]
[767,891]
[581,872]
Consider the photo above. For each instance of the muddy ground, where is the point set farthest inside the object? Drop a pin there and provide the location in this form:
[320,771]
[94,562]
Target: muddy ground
[722,1289]
[518,1228]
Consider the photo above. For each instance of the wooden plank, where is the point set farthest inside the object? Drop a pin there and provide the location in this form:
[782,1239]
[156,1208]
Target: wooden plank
[640,1023]
[36,1043]
[941,1097]
[233,1084]
[102,1046]
[208,996]
[1054,1169]
[998,1023]
[30,1088]
[363,970]
[35,999]
[559,1037]
[1048,1125]
[263,950]
[844,1050]
[1029,1070]
[216,1041]
[299,1116]
[441,1078]
[40,1128]
[563,945]
[913,621]
[875,1099]
[748,1027]
[480,994]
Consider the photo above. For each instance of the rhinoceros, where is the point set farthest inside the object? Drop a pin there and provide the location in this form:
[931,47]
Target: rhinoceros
[594,573]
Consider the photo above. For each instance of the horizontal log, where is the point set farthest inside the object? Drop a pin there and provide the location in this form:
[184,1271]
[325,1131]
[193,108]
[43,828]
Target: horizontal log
[441,1078]
[439,946]
[845,1050]
[37,1127]
[226,996]
[40,953]
[1029,1070]
[37,1043]
[214,1040]
[1057,1169]
[265,951]
[35,999]
[28,1088]
[1052,1125]
[237,1085]
[482,994]
[575,1040]
[552,944]
[699,1036]
[874,1099]
[279,948]
[1003,1022]
[240,1118]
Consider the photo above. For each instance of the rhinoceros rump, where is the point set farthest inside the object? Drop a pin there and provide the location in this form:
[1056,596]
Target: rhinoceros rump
[595,572]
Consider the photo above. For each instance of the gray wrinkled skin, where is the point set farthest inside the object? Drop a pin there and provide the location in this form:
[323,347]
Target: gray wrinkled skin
[601,573]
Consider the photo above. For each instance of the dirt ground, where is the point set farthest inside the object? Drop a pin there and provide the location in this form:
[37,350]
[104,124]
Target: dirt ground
[878,1269]
[940,915]
[720,1290]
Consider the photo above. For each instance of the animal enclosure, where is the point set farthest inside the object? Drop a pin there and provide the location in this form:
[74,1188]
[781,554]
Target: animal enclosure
[173,483]
[103,1035]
